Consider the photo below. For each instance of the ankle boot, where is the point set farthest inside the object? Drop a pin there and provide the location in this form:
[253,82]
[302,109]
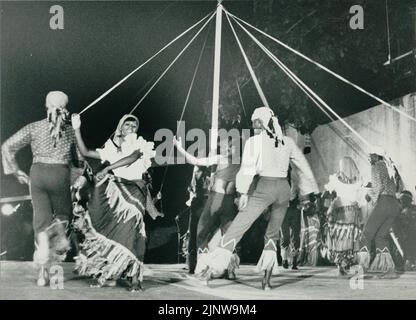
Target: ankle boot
[43,277]
[42,252]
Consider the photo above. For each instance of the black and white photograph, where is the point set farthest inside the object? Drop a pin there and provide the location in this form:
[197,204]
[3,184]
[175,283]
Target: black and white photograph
[208,150]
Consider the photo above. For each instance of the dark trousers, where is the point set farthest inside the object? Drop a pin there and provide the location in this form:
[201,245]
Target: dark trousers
[268,191]
[290,230]
[219,212]
[51,196]
[380,222]
[197,206]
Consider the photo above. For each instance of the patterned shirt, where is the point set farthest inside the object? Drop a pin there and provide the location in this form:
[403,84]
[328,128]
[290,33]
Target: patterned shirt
[36,134]
[381,182]
[260,156]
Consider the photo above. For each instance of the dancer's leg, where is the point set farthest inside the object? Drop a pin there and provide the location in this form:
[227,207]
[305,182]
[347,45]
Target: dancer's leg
[60,195]
[228,213]
[383,261]
[374,222]
[209,220]
[268,259]
[264,195]
[42,219]
[285,239]
[196,210]
[295,237]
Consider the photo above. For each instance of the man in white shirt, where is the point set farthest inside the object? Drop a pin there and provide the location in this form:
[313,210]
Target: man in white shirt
[262,182]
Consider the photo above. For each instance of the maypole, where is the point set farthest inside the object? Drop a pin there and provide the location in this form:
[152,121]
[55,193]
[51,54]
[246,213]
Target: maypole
[216,84]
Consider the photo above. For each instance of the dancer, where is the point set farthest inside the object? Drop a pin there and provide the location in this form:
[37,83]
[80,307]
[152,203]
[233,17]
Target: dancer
[53,147]
[266,154]
[290,230]
[219,209]
[381,220]
[310,233]
[344,215]
[114,229]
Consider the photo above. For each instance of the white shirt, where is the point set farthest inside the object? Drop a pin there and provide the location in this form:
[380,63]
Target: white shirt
[131,143]
[261,157]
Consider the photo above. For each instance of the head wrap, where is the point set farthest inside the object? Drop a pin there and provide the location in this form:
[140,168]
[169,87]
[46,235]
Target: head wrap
[265,114]
[391,167]
[121,122]
[348,169]
[55,103]
[378,150]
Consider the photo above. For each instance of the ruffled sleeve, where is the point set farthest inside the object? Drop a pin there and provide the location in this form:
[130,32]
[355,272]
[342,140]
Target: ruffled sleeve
[147,148]
[107,153]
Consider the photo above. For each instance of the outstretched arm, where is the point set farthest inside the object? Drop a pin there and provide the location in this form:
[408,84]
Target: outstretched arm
[205,162]
[76,124]
[126,161]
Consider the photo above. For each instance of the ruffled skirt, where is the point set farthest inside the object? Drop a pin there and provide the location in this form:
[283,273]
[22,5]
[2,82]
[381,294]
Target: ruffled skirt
[343,235]
[114,231]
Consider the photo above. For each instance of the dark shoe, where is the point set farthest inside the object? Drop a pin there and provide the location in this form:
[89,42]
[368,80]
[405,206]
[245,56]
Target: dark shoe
[265,283]
[285,264]
[295,263]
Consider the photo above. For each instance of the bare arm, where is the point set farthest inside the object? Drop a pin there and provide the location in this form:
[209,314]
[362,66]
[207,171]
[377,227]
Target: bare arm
[124,162]
[76,124]
[205,162]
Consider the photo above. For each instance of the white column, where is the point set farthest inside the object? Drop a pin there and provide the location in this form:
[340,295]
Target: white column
[216,84]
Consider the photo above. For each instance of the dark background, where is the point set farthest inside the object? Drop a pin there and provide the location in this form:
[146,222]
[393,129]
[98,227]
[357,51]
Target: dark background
[103,41]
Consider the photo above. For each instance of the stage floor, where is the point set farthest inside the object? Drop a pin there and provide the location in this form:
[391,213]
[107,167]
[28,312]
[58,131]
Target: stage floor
[171,282]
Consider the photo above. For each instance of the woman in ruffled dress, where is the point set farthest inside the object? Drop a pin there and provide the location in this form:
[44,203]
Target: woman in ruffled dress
[344,215]
[113,225]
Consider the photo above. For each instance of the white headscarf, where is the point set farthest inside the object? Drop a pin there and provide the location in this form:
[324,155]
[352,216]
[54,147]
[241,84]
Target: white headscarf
[122,120]
[265,114]
[55,103]
[378,150]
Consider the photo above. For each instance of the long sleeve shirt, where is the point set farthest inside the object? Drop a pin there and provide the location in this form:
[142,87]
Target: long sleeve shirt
[381,183]
[36,134]
[261,157]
